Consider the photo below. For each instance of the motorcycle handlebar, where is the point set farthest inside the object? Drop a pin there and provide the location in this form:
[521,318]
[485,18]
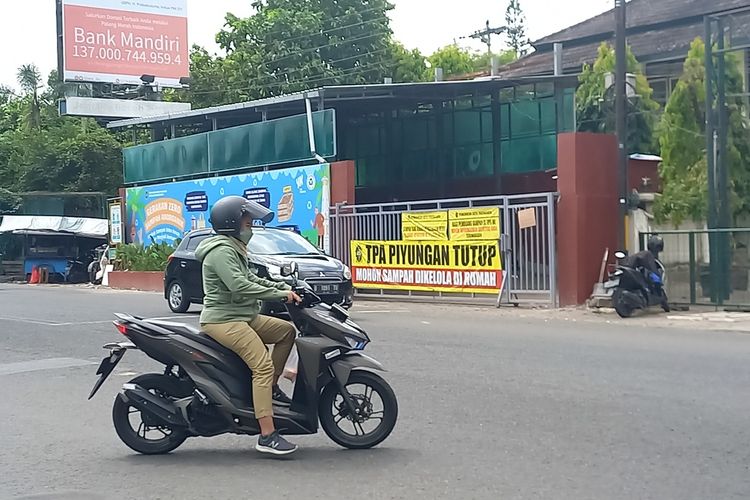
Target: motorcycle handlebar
[309,298]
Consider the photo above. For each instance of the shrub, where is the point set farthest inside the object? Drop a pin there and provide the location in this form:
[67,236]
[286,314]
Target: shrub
[134,257]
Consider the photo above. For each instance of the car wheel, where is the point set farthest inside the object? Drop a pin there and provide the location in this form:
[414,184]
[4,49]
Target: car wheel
[177,298]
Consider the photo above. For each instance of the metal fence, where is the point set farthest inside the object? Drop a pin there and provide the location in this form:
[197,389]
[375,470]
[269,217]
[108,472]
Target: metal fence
[529,254]
[709,266]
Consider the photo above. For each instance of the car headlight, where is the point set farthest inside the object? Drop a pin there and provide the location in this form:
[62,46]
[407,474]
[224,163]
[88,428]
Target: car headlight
[347,273]
[274,272]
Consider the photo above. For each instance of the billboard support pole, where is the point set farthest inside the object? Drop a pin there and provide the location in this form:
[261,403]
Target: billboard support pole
[60,45]
[311,131]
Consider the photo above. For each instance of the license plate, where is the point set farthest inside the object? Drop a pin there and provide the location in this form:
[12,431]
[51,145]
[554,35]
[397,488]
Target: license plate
[106,367]
[326,288]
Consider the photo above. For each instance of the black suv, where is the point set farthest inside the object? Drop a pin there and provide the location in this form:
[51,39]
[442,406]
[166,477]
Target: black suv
[268,250]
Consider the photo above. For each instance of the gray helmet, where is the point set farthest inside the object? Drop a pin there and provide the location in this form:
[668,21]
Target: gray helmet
[227,213]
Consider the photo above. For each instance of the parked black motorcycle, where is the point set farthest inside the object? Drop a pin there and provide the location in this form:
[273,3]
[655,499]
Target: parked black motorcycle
[635,288]
[206,389]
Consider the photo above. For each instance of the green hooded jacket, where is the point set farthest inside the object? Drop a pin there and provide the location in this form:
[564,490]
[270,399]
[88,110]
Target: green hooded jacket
[231,287]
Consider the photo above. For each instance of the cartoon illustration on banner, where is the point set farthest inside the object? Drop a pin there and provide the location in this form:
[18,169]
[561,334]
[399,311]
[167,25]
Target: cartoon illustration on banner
[446,266]
[299,196]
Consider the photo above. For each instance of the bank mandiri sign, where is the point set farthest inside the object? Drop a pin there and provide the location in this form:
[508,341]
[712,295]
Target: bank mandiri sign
[118,41]
[444,266]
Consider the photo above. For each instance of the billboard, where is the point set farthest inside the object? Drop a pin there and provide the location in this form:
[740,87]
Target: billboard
[430,266]
[118,41]
[299,196]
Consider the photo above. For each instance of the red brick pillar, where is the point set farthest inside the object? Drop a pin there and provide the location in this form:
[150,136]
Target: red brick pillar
[587,212]
[343,182]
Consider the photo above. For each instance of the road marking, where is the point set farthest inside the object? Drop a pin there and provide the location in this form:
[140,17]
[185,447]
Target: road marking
[26,320]
[383,311]
[42,364]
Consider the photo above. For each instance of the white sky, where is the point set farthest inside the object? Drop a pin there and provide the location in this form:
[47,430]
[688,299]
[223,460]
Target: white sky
[27,28]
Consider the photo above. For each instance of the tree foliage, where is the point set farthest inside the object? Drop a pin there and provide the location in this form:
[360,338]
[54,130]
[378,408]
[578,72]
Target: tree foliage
[682,130]
[515,23]
[292,45]
[407,65]
[30,80]
[596,104]
[9,201]
[41,151]
[454,60]
[483,60]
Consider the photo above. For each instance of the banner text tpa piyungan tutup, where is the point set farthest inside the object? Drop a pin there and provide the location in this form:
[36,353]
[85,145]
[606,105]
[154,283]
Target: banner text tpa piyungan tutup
[437,266]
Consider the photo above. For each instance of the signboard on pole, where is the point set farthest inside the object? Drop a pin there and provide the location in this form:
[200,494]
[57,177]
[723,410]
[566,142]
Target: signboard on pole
[434,266]
[115,223]
[119,41]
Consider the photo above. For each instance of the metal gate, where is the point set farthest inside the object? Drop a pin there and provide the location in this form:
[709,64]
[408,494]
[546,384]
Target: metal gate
[530,257]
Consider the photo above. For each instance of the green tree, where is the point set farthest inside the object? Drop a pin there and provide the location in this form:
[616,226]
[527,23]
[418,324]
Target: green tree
[482,60]
[682,130]
[596,104]
[41,151]
[292,45]
[30,80]
[9,201]
[454,61]
[515,24]
[407,65]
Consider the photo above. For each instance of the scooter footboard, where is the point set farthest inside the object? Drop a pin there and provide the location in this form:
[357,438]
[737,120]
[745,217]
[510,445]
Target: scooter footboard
[344,366]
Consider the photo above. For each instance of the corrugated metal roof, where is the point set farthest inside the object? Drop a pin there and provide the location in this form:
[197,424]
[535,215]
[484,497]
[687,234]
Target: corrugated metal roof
[331,93]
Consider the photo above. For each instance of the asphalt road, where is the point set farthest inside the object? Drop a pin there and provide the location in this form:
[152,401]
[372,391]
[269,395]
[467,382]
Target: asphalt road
[492,405]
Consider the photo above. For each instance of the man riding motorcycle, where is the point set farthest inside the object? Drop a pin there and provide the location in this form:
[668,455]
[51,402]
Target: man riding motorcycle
[646,259]
[231,310]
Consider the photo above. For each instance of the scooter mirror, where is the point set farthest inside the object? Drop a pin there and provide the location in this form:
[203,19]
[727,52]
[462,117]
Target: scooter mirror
[289,269]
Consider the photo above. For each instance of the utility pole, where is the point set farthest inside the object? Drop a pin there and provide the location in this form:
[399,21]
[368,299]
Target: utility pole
[622,117]
[485,35]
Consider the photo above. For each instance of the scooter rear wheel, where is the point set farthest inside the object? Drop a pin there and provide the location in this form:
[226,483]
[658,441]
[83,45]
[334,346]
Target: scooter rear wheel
[349,430]
[137,430]
[621,306]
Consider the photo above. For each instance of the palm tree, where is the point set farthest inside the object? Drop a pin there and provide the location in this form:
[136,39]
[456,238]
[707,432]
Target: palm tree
[30,80]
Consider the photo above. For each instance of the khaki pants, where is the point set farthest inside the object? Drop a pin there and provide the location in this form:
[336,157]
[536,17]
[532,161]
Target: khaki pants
[249,341]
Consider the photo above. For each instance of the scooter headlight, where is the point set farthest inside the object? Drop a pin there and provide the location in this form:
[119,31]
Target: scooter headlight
[347,273]
[356,344]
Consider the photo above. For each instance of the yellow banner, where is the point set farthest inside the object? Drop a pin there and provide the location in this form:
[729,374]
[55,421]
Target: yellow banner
[420,226]
[446,266]
[474,224]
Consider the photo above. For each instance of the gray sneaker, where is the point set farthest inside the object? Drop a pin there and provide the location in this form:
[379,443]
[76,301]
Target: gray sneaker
[275,444]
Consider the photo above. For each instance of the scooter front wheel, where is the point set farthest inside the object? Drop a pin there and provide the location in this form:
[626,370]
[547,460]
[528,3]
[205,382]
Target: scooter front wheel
[376,411]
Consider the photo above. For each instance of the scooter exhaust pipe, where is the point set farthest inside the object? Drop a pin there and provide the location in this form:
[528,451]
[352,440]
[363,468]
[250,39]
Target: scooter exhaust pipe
[161,409]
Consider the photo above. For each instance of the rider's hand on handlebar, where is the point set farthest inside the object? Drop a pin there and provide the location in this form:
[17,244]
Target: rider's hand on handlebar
[293,298]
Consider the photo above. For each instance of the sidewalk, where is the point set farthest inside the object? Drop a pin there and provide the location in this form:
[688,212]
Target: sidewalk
[696,317]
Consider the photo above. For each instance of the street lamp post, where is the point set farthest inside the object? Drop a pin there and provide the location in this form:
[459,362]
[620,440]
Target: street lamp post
[621,115]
